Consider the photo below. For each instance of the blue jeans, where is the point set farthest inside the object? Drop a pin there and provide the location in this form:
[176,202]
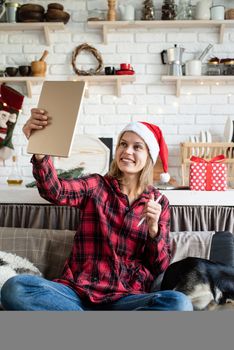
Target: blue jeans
[27,292]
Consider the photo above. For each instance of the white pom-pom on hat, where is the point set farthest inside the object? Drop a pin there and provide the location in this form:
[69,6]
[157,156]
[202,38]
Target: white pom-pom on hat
[153,137]
[164,178]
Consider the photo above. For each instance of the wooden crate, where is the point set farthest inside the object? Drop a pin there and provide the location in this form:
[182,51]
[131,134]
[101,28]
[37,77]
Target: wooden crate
[207,151]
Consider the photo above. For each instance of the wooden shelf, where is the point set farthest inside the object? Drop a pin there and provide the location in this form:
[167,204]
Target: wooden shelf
[106,26]
[27,80]
[46,27]
[202,79]
[118,80]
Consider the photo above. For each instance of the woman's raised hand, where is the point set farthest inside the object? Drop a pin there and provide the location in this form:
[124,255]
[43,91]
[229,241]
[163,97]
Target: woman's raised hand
[38,120]
[152,212]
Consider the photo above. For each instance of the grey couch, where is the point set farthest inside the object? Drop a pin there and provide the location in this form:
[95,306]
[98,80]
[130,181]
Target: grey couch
[48,248]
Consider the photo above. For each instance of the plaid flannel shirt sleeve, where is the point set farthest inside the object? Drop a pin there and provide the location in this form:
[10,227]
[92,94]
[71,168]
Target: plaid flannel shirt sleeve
[59,191]
[158,251]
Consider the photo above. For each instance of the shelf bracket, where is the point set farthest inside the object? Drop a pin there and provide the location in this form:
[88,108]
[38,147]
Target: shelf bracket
[118,87]
[47,35]
[86,89]
[178,86]
[29,88]
[104,33]
[221,33]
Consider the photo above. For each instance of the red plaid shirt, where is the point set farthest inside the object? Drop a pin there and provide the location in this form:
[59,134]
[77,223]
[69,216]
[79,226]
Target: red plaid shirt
[111,257]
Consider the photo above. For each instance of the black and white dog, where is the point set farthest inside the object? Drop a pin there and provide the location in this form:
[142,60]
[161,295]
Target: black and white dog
[209,285]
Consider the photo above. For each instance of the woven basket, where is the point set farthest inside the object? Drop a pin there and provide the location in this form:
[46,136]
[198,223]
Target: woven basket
[229,14]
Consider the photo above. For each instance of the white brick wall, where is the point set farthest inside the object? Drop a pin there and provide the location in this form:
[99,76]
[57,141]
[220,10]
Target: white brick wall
[103,114]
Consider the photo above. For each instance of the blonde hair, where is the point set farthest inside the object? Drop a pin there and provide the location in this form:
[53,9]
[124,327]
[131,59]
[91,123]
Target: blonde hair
[146,175]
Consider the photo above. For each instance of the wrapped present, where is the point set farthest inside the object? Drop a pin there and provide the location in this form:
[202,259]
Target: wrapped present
[208,175]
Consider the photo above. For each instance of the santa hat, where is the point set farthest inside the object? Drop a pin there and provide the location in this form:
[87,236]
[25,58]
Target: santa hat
[153,137]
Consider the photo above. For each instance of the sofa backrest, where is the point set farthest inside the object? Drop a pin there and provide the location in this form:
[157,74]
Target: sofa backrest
[191,243]
[48,249]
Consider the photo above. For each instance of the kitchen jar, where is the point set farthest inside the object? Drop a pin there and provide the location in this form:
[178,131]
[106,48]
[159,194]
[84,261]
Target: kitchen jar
[184,10]
[169,10]
[217,12]
[11,11]
[203,9]
[127,12]
[228,67]
[214,68]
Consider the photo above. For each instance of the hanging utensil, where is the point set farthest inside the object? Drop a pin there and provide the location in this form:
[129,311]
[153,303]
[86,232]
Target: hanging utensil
[205,52]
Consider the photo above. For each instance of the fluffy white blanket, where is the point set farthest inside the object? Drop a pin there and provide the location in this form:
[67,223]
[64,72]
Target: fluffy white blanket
[12,265]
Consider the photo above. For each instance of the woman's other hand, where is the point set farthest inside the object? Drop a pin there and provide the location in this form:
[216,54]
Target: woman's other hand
[152,214]
[38,120]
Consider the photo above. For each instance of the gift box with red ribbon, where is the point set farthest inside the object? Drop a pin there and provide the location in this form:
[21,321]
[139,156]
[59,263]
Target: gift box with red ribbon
[208,175]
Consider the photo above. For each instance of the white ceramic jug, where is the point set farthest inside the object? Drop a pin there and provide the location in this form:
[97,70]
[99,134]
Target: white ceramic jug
[193,67]
[10,8]
[127,12]
[11,11]
[203,9]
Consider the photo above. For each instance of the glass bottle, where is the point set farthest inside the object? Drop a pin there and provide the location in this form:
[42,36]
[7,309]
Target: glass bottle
[184,10]
[15,176]
[169,10]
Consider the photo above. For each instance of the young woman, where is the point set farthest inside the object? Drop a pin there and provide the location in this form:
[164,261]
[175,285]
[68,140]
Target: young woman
[116,253]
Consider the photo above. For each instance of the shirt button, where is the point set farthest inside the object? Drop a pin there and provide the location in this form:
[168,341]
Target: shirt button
[94,279]
[127,209]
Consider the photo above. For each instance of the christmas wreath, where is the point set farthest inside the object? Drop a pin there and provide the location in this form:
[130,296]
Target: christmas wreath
[94,52]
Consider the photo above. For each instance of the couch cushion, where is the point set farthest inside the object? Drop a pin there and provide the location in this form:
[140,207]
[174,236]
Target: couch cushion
[222,248]
[184,244]
[47,249]
[195,243]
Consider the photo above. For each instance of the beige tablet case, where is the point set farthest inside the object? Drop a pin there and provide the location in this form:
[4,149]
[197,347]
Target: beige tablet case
[62,100]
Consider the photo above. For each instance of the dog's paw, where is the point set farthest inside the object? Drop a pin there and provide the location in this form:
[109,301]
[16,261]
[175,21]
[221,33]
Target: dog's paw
[213,306]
